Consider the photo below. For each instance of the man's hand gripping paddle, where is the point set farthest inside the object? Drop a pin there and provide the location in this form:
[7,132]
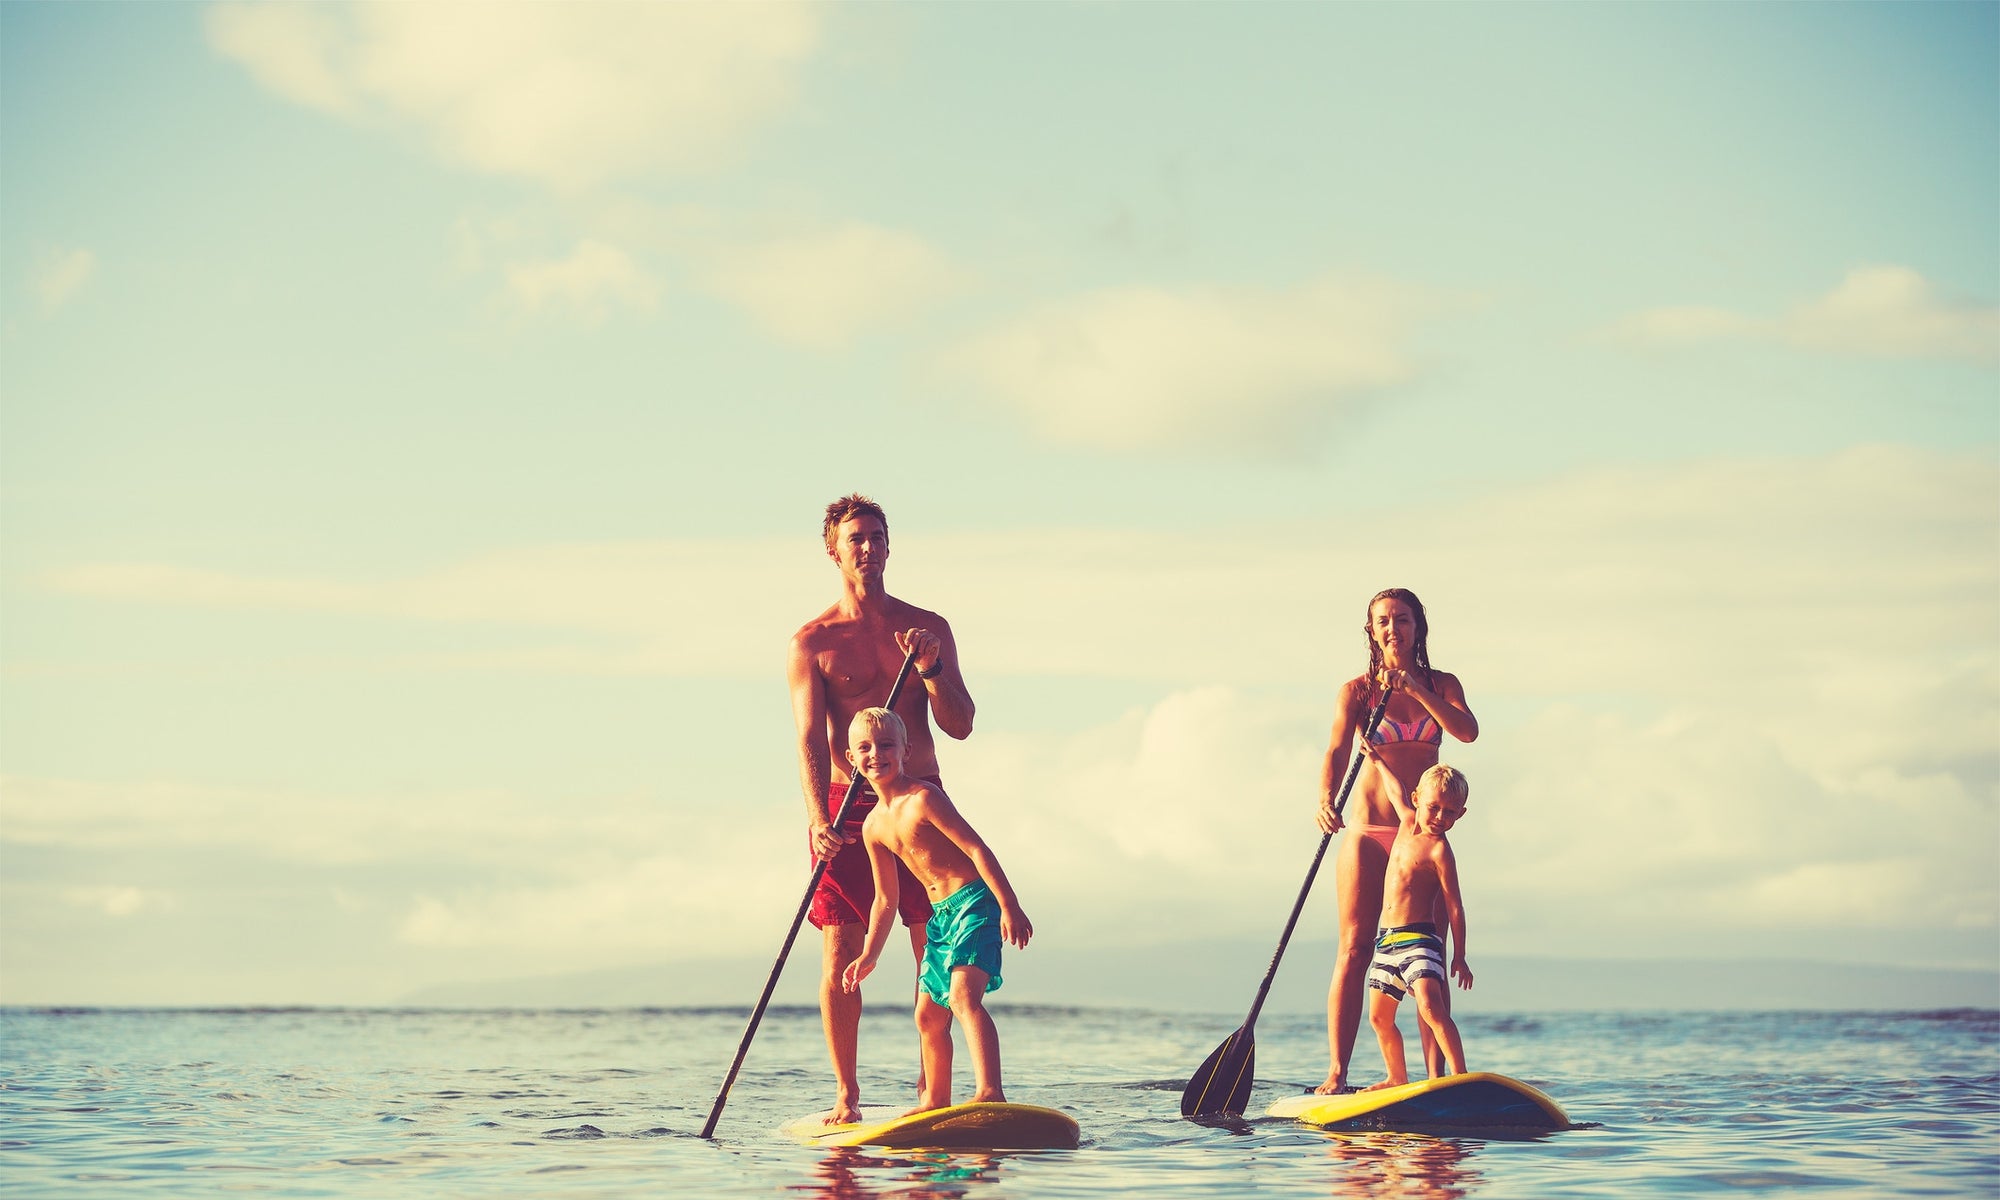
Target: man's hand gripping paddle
[819,869]
[1222,1083]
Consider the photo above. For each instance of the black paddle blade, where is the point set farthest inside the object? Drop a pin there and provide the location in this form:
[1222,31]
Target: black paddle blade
[1222,1083]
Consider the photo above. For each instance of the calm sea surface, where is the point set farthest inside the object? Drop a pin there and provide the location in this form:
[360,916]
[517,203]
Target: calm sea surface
[381,1103]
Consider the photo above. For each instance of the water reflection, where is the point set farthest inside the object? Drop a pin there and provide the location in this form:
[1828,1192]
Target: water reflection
[1400,1164]
[847,1173]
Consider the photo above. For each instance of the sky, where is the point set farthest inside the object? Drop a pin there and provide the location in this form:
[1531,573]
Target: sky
[415,422]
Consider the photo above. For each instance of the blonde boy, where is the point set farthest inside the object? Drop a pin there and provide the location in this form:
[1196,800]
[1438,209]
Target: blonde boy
[975,907]
[1409,954]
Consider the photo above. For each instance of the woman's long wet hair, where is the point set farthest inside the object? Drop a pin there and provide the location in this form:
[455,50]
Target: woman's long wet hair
[1423,647]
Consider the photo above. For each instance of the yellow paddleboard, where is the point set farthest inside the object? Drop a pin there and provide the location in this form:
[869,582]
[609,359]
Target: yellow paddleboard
[959,1127]
[1475,1100]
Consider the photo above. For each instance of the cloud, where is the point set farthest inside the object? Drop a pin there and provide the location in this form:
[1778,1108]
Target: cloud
[1883,311]
[589,282]
[579,878]
[1716,817]
[1697,728]
[823,288]
[649,597]
[1867,578]
[1256,374]
[1164,822]
[714,893]
[571,95]
[61,275]
[298,51]
[115,901]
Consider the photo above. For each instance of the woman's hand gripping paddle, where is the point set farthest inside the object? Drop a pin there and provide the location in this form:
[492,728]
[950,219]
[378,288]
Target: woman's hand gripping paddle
[819,869]
[1222,1083]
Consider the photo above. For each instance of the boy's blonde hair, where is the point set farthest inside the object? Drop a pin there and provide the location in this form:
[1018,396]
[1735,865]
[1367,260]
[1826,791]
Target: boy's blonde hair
[878,719]
[1449,780]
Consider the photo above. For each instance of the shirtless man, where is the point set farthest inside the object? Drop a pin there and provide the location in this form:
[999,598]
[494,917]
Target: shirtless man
[842,661]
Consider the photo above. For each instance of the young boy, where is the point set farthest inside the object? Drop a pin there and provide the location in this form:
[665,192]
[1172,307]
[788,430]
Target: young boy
[975,908]
[1409,955]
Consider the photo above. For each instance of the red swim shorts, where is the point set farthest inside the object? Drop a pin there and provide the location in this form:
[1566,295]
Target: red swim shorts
[847,890]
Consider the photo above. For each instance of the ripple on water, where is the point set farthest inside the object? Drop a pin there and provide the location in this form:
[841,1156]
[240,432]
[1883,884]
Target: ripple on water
[421,1104]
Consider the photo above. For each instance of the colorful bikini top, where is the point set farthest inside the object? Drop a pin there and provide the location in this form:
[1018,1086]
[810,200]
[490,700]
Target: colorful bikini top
[1423,729]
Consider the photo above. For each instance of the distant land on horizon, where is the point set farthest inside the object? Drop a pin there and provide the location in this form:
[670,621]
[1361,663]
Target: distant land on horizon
[1222,976]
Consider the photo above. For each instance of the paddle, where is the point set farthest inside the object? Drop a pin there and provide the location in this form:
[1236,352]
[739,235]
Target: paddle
[819,869]
[1222,1083]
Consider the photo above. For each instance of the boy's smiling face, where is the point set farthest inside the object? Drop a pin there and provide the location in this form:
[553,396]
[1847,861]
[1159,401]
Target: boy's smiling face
[875,750]
[1436,811]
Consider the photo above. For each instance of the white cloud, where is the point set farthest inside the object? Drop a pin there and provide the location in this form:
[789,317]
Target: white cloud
[1684,326]
[115,900]
[1723,710]
[1719,817]
[61,274]
[352,828]
[714,893]
[1894,312]
[298,51]
[1252,373]
[676,607]
[1166,822]
[1881,311]
[1695,724]
[1866,576]
[824,287]
[588,283]
[572,95]
[578,880]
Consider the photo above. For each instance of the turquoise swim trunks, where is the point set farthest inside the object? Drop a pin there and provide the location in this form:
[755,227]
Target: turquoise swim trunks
[964,931]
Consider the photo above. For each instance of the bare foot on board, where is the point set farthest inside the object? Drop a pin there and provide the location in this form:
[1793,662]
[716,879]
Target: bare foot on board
[845,1112]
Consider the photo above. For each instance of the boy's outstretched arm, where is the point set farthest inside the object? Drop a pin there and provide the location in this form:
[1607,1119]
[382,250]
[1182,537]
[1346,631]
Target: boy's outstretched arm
[880,917]
[1015,928]
[1454,906]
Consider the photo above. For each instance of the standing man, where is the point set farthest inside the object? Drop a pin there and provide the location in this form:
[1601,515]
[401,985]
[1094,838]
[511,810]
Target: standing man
[842,661]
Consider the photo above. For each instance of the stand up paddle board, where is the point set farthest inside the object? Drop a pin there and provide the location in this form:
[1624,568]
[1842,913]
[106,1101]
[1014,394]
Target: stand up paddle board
[959,1127]
[1478,1099]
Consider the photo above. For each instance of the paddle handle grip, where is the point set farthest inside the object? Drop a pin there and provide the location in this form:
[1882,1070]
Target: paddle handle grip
[798,919]
[1312,872]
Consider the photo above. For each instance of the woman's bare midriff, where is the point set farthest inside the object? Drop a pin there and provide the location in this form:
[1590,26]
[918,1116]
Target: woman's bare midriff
[1371,803]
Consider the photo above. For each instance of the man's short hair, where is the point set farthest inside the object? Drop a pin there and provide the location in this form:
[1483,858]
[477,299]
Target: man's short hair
[847,508]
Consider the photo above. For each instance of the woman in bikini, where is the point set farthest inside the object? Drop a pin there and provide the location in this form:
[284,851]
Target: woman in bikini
[1424,705]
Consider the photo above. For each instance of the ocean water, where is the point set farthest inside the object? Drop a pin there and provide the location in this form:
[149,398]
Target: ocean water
[430,1103]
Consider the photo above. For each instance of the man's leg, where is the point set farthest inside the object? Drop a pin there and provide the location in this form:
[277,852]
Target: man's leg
[840,1016]
[917,995]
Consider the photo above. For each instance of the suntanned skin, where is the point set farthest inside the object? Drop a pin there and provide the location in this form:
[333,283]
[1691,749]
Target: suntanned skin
[1422,877]
[917,823]
[1380,797]
[840,662]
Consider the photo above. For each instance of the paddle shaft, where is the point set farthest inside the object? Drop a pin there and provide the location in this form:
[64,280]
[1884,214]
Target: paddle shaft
[1298,906]
[819,870]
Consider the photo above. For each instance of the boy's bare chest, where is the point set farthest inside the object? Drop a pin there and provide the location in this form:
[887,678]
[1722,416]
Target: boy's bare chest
[1410,867]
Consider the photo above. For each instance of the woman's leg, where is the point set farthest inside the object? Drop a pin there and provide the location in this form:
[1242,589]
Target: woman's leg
[1359,870]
